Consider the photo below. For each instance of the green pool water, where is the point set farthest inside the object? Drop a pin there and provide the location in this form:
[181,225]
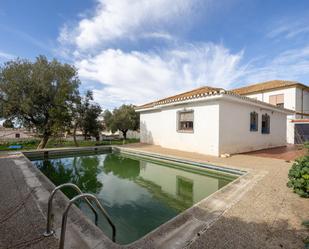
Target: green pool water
[139,194]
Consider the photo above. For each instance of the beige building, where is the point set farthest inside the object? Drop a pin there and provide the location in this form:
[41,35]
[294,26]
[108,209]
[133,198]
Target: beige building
[288,94]
[15,134]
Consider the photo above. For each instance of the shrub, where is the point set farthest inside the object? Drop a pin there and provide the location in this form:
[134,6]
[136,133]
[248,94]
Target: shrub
[299,176]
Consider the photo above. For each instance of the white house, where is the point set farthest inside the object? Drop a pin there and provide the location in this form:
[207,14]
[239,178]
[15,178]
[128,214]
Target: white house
[213,121]
[288,94]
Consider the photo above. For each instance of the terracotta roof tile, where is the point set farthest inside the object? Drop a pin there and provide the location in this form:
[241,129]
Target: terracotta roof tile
[300,121]
[210,91]
[182,96]
[268,85]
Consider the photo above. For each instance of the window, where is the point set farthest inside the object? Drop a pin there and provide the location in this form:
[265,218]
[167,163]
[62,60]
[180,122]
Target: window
[254,121]
[277,100]
[185,121]
[17,135]
[265,124]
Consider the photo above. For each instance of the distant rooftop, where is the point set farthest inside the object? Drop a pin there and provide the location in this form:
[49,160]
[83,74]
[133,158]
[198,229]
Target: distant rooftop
[267,86]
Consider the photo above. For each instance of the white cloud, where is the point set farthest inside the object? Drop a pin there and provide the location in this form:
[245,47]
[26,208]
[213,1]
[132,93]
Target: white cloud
[6,56]
[289,29]
[138,77]
[116,19]
[291,64]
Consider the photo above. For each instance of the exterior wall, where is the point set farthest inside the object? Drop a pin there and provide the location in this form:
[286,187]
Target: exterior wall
[306,102]
[302,95]
[235,135]
[289,97]
[160,128]
[10,134]
[292,101]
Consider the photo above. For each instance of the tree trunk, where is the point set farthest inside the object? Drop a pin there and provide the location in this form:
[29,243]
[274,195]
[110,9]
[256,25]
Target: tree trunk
[124,132]
[74,135]
[44,141]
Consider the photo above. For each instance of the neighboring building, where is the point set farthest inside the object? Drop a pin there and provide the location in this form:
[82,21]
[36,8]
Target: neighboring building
[288,94]
[212,121]
[15,134]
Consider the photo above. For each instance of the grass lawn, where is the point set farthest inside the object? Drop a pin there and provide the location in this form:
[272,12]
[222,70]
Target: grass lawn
[57,143]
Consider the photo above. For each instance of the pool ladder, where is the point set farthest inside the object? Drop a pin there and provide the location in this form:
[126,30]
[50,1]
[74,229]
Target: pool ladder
[49,231]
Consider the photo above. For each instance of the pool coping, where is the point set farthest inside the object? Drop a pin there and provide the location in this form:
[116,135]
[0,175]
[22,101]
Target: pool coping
[179,232]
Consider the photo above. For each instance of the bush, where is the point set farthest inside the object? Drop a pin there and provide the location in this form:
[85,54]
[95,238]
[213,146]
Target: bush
[299,176]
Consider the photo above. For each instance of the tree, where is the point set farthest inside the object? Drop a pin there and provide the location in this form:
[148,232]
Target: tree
[38,94]
[299,175]
[8,124]
[86,117]
[123,118]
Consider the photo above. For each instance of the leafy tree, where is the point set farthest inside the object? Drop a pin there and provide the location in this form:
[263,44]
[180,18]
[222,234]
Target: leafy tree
[299,175]
[86,116]
[38,94]
[8,124]
[123,118]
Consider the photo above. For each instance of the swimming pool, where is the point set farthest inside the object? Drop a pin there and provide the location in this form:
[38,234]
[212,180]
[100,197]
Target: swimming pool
[139,193]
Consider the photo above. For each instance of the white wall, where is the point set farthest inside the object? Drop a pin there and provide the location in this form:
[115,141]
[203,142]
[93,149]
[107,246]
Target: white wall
[292,97]
[302,101]
[235,134]
[289,97]
[220,127]
[306,102]
[160,128]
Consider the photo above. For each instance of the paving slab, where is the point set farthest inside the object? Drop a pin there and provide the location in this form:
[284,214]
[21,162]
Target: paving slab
[21,221]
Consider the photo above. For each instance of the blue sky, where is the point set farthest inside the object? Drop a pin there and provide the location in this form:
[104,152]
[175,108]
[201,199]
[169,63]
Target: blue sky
[135,51]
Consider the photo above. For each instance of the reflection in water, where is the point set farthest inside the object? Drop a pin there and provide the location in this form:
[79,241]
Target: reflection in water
[81,171]
[139,195]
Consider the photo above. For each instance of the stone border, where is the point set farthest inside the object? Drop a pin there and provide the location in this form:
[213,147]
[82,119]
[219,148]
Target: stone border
[178,232]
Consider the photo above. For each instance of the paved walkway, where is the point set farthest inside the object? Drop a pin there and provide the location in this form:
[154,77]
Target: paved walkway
[288,153]
[267,216]
[21,221]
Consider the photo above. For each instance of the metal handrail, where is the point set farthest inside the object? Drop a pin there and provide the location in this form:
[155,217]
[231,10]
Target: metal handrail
[65,216]
[49,231]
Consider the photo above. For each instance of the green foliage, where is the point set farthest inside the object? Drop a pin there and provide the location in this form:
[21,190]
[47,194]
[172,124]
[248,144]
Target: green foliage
[59,143]
[8,124]
[123,167]
[123,118]
[81,171]
[299,176]
[38,94]
[86,114]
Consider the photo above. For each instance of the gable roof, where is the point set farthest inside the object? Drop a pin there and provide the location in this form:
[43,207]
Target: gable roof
[267,86]
[182,96]
[205,92]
